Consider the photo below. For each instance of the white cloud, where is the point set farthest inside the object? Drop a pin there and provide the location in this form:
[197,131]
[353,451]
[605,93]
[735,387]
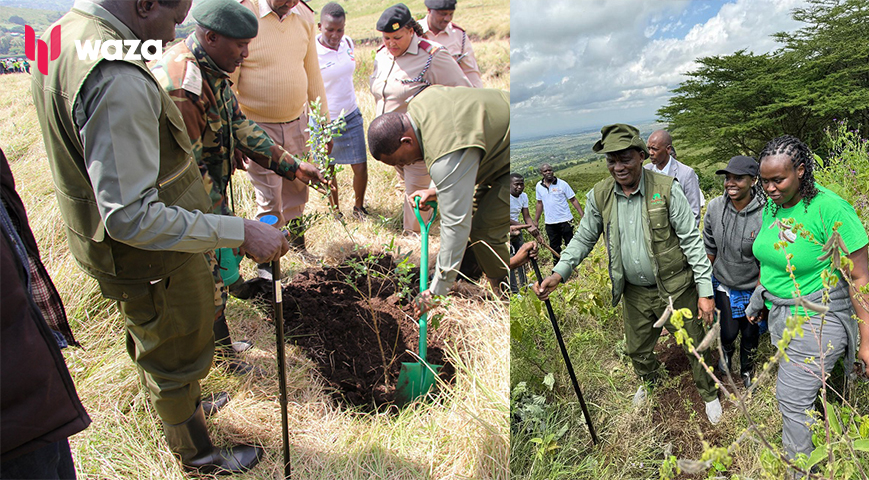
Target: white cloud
[579,62]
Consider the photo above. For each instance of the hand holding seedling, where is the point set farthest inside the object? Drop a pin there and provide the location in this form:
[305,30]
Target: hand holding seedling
[544,288]
[309,173]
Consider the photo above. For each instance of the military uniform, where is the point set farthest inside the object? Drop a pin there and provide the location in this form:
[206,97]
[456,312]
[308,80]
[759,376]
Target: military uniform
[216,127]
[456,41]
[395,81]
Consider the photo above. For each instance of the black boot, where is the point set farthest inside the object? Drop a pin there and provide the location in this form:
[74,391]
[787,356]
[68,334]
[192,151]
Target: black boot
[189,440]
[724,361]
[225,353]
[212,403]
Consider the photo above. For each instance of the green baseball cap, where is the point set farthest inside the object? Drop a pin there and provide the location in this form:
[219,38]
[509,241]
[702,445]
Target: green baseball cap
[618,137]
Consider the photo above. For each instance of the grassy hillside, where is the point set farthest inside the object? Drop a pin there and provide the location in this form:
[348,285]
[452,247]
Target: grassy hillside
[462,435]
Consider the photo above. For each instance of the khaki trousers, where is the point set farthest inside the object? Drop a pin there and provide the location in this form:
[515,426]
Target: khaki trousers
[169,336]
[275,195]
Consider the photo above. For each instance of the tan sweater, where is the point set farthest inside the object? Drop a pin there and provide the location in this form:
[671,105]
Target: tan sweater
[282,73]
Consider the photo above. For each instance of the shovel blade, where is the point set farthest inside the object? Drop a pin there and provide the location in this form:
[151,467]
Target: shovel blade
[414,381]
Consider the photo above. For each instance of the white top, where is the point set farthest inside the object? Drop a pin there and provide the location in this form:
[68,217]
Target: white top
[665,170]
[336,67]
[516,206]
[555,206]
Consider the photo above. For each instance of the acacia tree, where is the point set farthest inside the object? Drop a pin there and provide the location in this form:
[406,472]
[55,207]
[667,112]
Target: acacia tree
[734,104]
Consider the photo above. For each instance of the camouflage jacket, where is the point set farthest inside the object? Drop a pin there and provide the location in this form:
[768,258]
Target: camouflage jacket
[215,124]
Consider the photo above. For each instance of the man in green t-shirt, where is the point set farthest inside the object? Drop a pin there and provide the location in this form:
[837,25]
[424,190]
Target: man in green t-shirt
[463,135]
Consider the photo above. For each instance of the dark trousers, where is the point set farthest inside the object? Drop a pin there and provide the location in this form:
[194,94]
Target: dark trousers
[517,276]
[51,461]
[731,328]
[643,306]
[559,233]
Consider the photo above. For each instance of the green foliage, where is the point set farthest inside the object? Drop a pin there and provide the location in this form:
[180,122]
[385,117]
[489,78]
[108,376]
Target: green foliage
[845,167]
[736,103]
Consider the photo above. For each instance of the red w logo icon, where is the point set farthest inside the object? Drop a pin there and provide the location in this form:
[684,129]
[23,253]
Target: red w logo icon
[32,45]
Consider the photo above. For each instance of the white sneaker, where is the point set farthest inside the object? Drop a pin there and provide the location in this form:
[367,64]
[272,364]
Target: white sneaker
[641,396]
[713,411]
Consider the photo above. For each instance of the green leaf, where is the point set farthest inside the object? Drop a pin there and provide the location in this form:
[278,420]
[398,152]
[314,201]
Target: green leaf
[861,445]
[549,381]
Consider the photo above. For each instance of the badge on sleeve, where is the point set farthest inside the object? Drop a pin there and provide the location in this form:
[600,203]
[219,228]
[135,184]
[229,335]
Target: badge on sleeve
[192,79]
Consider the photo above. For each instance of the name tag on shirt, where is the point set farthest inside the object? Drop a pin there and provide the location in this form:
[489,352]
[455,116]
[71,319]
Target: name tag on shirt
[192,79]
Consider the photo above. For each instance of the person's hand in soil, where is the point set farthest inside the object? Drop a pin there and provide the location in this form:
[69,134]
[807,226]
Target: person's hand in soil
[426,195]
[423,303]
[263,243]
[544,288]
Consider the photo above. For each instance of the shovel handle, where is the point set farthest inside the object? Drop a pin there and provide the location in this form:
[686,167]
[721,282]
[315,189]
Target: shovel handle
[423,270]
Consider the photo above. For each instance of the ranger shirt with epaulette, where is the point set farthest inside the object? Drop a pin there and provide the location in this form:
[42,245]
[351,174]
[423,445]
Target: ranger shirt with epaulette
[456,41]
[397,79]
[215,124]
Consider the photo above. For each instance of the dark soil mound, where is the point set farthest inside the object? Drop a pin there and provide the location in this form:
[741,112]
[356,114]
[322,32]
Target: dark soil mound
[349,319]
[675,404]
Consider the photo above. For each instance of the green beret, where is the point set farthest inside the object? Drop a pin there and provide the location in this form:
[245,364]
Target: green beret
[440,4]
[618,137]
[394,18]
[226,17]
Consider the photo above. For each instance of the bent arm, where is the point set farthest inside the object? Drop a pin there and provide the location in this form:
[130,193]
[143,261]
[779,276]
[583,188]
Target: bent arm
[117,114]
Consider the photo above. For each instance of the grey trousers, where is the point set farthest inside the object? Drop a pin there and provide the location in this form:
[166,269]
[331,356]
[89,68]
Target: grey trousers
[796,388]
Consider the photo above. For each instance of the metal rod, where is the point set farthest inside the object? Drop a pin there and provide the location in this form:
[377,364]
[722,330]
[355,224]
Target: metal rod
[566,356]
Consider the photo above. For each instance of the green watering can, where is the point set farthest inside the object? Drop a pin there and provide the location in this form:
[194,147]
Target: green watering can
[416,379]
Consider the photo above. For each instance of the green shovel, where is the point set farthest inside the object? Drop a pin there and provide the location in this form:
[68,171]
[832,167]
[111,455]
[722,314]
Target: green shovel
[416,379]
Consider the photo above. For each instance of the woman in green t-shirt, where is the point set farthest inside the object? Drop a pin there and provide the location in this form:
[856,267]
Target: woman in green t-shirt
[803,216]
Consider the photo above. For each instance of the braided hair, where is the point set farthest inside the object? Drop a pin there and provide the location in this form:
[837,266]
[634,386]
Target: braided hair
[416,27]
[799,154]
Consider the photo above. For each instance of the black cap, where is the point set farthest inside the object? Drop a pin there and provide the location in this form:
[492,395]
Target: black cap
[440,4]
[394,18]
[740,165]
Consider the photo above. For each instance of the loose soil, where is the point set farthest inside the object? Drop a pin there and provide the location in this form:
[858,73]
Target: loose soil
[335,314]
[678,398]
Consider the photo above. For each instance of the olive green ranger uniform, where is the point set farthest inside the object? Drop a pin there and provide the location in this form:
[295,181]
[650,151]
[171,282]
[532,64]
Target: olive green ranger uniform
[456,41]
[202,92]
[133,203]
[655,252]
[464,135]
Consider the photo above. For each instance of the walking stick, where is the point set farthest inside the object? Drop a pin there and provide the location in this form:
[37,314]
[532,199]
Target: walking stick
[566,357]
[277,306]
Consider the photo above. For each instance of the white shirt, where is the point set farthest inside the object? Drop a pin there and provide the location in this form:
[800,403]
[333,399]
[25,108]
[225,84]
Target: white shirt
[555,206]
[336,68]
[665,170]
[516,206]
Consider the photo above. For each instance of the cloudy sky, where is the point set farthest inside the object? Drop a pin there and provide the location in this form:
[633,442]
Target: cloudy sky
[580,64]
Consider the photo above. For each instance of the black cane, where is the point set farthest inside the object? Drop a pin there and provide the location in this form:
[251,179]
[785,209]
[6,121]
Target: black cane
[277,307]
[566,357]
